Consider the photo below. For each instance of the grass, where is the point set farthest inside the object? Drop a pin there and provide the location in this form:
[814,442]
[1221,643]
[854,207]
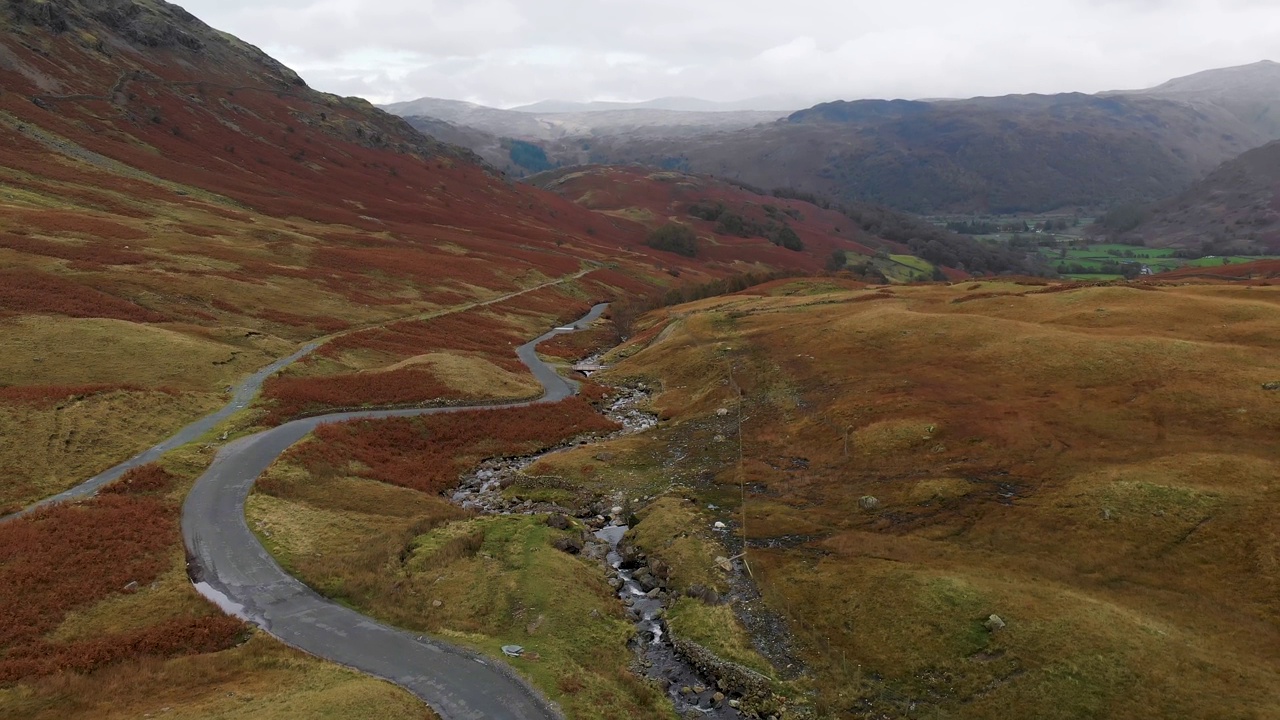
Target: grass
[417,561]
[260,679]
[1090,464]
[716,628]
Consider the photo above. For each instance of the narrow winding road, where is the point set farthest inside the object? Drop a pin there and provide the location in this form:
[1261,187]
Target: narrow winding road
[231,567]
[244,393]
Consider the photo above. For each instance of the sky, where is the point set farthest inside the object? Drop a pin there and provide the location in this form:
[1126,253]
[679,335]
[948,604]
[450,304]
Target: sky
[506,53]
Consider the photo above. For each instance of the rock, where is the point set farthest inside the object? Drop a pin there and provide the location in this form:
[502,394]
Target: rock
[132,587]
[686,690]
[653,594]
[735,704]
[869,503]
[1272,386]
[570,545]
[558,521]
[436,604]
[617,510]
[703,593]
[512,650]
[605,457]
[717,698]
[994,623]
[645,578]
[725,564]
[616,583]
[722,412]
[698,689]
[720,526]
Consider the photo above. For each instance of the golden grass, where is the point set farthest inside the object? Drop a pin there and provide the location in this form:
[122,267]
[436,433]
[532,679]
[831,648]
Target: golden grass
[1094,465]
[260,679]
[474,376]
[41,350]
[48,450]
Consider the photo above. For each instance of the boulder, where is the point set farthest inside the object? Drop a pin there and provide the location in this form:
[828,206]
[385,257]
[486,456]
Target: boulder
[703,593]
[132,587]
[558,521]
[869,503]
[995,623]
[570,545]
[1272,386]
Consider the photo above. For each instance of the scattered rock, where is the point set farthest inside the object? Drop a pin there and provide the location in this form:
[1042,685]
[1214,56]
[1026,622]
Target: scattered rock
[558,521]
[720,526]
[570,545]
[1272,386]
[436,604]
[717,698]
[1106,514]
[512,650]
[724,564]
[994,623]
[718,438]
[869,503]
[605,457]
[645,577]
[132,587]
[722,412]
[703,593]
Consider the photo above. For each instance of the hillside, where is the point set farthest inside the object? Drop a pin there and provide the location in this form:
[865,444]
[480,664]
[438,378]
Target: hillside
[1236,209]
[989,155]
[178,211]
[904,464]
[739,223]
[1250,92]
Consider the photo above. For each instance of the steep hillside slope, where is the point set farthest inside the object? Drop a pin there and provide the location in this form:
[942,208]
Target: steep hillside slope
[988,500]
[1250,92]
[1236,209]
[178,210]
[737,223]
[1018,153]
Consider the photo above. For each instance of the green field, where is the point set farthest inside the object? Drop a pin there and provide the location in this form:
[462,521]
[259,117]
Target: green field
[1093,262]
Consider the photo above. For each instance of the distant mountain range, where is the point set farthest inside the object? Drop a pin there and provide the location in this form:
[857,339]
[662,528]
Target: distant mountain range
[768,103]
[1005,154]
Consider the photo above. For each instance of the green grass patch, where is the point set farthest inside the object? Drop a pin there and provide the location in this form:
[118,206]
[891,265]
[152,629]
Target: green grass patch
[717,629]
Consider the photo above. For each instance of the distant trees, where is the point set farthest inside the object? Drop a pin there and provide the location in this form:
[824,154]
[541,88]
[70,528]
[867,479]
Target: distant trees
[776,229]
[529,156]
[838,260]
[676,238]
[1124,218]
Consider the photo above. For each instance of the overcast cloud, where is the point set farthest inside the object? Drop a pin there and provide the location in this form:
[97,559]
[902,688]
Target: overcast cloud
[511,52]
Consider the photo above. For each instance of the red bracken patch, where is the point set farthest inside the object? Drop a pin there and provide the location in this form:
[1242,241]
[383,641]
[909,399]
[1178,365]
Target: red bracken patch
[428,453]
[70,557]
[30,291]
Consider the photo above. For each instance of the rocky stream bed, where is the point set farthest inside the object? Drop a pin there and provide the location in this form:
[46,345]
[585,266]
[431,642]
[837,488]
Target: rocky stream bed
[698,684]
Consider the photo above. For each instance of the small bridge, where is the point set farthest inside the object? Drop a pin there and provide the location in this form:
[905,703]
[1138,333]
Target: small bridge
[585,368]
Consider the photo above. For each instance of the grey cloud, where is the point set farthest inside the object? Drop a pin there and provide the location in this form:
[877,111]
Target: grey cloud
[507,52]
